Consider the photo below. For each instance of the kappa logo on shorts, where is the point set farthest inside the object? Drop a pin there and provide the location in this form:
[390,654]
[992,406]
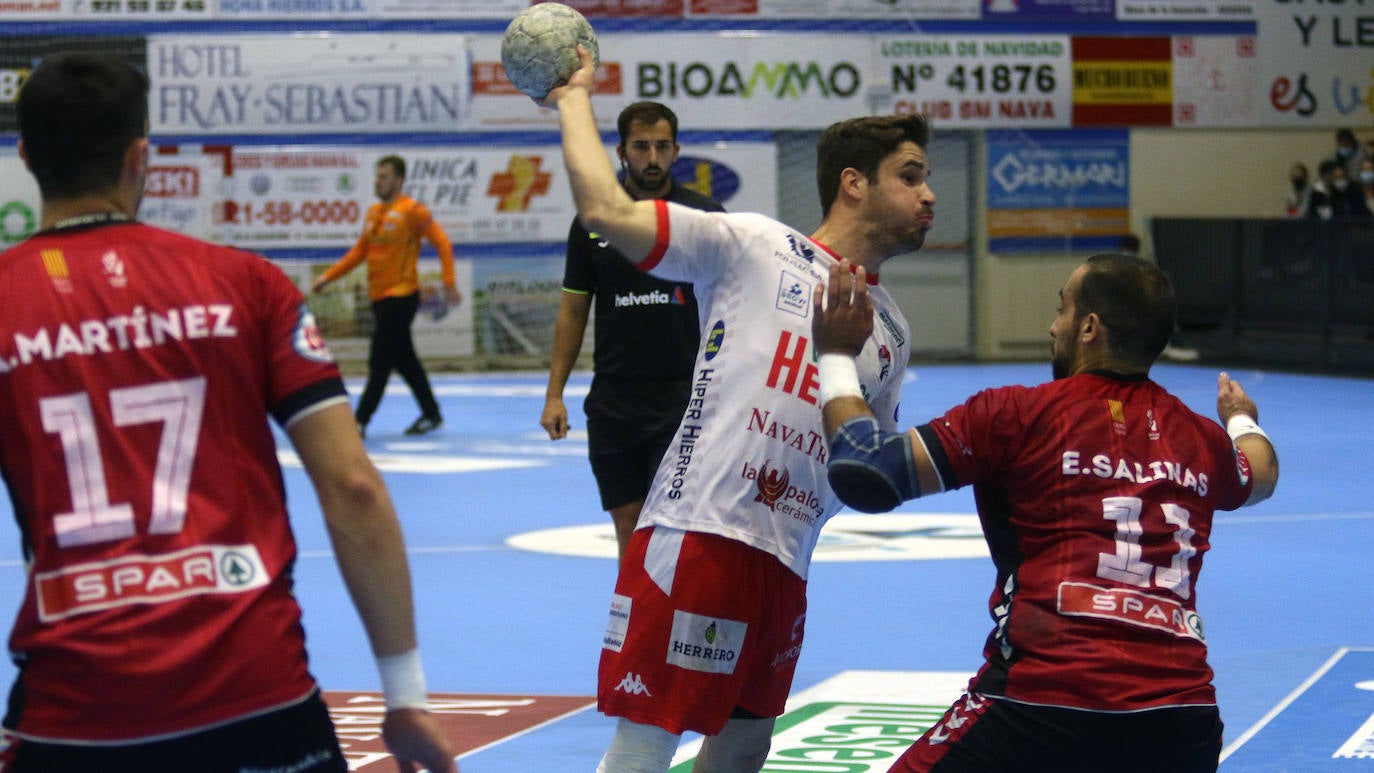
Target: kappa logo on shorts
[633,685]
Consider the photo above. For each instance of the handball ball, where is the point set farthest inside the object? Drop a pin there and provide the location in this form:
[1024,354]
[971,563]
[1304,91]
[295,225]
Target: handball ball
[539,50]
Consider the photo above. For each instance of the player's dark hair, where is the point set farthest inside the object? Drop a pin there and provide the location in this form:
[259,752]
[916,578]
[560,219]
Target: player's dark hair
[1134,299]
[647,113]
[77,114]
[397,164]
[862,144]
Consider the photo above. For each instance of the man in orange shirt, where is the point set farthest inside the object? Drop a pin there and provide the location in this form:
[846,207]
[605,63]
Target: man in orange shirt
[390,243]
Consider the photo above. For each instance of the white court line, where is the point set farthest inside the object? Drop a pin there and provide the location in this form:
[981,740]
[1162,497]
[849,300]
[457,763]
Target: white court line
[1288,701]
[591,704]
[1226,518]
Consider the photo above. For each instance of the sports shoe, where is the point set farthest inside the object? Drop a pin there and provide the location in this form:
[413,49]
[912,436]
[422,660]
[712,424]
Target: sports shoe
[425,425]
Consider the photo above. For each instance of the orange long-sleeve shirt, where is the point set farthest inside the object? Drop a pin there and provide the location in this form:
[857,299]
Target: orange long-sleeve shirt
[390,243]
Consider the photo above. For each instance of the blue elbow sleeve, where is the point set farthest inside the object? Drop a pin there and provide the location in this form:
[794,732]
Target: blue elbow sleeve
[871,470]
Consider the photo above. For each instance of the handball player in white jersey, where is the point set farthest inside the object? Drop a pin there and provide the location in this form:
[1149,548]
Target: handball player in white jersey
[707,619]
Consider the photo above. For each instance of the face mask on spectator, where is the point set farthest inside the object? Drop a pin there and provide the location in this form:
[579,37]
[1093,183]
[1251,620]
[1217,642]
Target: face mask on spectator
[1341,183]
[1367,176]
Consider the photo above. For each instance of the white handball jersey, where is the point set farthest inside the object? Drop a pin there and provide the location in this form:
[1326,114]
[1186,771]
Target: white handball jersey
[748,460]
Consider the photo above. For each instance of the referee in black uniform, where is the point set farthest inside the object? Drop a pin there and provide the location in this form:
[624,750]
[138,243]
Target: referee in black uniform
[647,332]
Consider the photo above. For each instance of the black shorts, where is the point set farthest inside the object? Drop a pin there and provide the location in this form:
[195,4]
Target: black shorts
[979,734]
[299,738]
[630,424]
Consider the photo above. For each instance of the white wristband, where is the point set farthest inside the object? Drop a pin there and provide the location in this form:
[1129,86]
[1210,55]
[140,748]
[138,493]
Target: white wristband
[839,377]
[1240,425]
[403,680]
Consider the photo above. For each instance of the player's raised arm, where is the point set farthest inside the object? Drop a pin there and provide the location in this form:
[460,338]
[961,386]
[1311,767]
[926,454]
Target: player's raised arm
[603,206]
[1240,417]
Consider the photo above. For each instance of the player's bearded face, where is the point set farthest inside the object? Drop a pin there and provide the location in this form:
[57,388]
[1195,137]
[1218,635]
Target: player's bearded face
[648,155]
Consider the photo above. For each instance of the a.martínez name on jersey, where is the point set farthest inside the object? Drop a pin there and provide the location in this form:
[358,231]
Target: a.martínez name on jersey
[139,329]
[1104,466]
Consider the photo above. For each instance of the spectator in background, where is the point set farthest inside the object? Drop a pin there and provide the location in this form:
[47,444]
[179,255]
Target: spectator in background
[1347,200]
[1349,152]
[1298,200]
[390,243]
[647,332]
[1366,181]
[1321,204]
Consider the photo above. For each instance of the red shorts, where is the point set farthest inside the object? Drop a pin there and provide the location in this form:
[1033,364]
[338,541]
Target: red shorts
[700,626]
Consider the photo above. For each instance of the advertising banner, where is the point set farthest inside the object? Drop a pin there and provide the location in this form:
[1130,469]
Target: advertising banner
[1058,190]
[139,10]
[307,83]
[1122,81]
[1185,10]
[1214,80]
[837,9]
[30,10]
[977,80]
[672,9]
[20,204]
[1315,64]
[182,194]
[293,197]
[344,313]
[19,54]
[761,80]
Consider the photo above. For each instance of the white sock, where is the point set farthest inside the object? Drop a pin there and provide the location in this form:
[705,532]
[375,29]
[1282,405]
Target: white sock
[639,748]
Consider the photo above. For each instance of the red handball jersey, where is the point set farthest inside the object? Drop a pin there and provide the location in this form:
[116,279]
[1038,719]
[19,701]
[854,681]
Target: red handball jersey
[1096,496]
[137,371]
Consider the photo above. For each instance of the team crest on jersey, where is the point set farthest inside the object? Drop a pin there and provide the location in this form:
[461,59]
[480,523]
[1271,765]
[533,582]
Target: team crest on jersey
[113,266]
[1152,424]
[794,294]
[884,361]
[306,339]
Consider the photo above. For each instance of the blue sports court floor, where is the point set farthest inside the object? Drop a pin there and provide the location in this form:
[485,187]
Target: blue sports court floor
[512,561]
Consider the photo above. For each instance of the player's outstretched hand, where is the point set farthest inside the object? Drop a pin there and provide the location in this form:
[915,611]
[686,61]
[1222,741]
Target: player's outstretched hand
[843,318]
[1232,400]
[584,77]
[412,737]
